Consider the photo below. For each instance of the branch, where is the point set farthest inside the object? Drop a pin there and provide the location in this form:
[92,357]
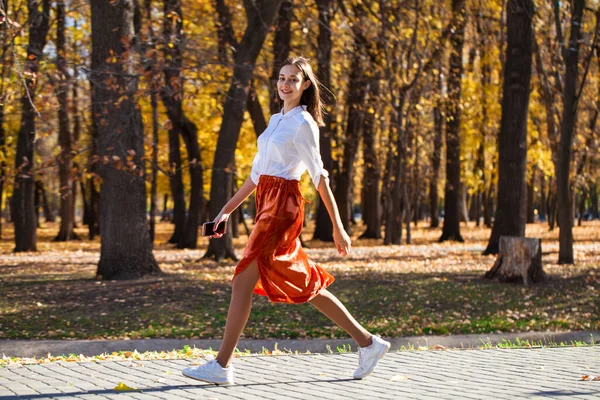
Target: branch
[588,61]
[559,33]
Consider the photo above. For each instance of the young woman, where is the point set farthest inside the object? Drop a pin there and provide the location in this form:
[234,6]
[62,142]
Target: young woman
[274,263]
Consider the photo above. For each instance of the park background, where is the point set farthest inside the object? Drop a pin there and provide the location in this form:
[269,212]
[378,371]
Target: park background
[125,124]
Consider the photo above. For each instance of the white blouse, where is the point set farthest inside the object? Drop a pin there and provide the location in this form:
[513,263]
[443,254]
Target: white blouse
[288,147]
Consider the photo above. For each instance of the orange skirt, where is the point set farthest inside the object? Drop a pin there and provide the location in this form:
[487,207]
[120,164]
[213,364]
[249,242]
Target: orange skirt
[287,275]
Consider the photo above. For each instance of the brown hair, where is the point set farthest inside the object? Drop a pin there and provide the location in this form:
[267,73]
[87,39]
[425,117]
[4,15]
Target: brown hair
[311,97]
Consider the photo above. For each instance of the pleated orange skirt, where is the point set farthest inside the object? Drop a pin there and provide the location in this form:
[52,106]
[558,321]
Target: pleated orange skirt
[287,275]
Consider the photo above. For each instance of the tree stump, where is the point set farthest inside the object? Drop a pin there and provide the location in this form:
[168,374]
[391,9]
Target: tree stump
[519,258]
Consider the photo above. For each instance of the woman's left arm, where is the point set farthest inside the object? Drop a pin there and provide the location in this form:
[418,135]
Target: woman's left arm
[340,237]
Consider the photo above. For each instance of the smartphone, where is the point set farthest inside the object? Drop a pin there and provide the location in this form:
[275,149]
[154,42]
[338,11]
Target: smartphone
[208,228]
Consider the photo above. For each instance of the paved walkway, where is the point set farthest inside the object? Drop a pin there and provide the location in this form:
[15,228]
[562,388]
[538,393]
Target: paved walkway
[450,374]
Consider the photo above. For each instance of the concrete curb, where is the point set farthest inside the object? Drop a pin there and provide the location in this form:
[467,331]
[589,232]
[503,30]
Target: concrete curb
[40,348]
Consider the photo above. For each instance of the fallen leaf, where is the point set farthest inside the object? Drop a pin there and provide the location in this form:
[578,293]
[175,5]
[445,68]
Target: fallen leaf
[123,387]
[590,378]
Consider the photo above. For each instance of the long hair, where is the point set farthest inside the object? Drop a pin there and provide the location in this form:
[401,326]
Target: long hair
[311,97]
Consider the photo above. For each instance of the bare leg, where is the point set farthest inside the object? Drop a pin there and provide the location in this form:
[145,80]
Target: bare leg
[329,305]
[239,310]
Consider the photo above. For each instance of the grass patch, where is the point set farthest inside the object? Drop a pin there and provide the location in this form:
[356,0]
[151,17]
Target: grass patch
[425,288]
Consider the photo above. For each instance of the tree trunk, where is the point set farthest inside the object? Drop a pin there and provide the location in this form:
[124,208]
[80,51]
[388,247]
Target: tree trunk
[519,258]
[3,78]
[464,201]
[22,207]
[86,204]
[511,210]
[569,121]
[451,228]
[165,211]
[543,206]
[172,98]
[530,199]
[154,176]
[372,202]
[552,203]
[486,72]
[260,16]
[65,160]
[37,200]
[394,211]
[281,49]
[323,225]
[76,133]
[256,112]
[436,159]
[356,105]
[126,249]
[594,201]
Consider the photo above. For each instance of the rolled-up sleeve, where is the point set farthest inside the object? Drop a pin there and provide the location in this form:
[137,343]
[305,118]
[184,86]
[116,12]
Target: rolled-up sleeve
[255,173]
[307,145]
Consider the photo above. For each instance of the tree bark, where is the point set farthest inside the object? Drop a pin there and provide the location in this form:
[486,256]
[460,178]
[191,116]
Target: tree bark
[451,228]
[511,211]
[260,15]
[126,250]
[323,225]
[22,207]
[65,160]
[569,121]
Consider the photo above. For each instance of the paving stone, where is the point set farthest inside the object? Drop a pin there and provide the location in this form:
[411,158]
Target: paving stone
[465,374]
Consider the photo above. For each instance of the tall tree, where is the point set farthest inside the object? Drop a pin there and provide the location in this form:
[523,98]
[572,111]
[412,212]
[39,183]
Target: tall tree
[65,160]
[126,250]
[260,15]
[172,98]
[451,228]
[22,206]
[511,212]
[355,115]
[372,178]
[323,225]
[569,120]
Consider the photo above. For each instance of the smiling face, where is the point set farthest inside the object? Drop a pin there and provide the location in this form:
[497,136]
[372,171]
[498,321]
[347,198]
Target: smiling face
[291,85]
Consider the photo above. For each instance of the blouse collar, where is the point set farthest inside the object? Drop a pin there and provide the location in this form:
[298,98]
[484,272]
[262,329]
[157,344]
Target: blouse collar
[293,111]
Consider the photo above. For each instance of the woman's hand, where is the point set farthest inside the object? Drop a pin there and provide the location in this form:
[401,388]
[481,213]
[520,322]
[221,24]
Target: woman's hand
[342,241]
[221,218]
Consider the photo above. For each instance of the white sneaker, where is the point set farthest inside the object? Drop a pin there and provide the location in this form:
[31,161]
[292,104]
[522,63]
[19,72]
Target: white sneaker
[368,356]
[211,372]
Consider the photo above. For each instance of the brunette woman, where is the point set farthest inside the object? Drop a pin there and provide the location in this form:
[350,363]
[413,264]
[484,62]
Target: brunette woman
[274,263]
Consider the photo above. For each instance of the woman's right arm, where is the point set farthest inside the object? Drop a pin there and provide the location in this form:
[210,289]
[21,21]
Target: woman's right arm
[233,203]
